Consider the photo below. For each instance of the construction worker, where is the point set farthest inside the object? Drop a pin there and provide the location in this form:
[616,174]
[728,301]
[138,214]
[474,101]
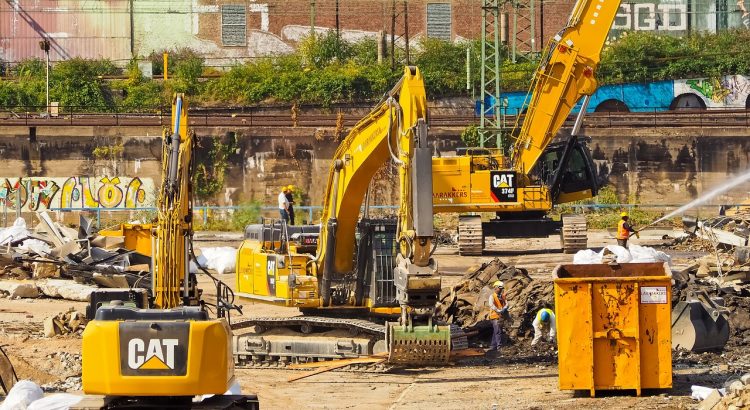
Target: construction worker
[624,230]
[284,205]
[544,322]
[498,307]
[290,199]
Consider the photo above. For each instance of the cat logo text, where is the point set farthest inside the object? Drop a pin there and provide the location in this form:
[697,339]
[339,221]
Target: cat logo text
[152,354]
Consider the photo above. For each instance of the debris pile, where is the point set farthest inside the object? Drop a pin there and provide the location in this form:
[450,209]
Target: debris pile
[734,396]
[446,237]
[467,303]
[52,251]
[70,322]
[731,230]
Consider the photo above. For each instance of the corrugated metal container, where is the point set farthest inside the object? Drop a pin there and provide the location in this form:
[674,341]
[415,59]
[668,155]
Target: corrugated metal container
[614,326]
[88,29]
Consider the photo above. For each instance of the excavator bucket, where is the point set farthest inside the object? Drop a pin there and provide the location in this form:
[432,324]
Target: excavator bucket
[698,324]
[420,345]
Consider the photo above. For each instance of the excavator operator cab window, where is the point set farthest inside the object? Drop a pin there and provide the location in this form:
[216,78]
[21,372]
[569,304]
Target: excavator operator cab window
[576,176]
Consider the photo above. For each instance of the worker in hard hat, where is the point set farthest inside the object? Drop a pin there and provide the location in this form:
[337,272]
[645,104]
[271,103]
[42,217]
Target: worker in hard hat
[498,307]
[624,230]
[544,322]
[290,198]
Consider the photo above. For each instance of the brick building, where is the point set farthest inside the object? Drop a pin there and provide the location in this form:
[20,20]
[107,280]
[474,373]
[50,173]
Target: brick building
[230,30]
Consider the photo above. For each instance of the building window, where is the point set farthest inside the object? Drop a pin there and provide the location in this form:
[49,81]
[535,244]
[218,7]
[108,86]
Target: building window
[233,25]
[439,21]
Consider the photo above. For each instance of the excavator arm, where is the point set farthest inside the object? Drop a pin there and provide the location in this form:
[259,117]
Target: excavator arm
[565,74]
[165,355]
[394,130]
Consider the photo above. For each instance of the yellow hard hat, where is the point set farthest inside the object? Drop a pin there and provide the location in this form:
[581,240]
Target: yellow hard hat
[498,284]
[623,213]
[290,187]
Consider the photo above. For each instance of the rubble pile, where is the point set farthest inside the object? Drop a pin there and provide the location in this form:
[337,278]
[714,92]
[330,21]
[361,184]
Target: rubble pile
[735,396]
[692,243]
[446,237]
[466,303]
[53,251]
[732,230]
[70,322]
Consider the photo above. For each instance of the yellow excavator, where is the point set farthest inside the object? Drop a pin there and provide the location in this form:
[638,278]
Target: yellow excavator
[351,274]
[165,355]
[521,188]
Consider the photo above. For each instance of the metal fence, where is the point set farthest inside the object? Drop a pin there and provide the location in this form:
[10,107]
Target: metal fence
[222,217]
[260,117]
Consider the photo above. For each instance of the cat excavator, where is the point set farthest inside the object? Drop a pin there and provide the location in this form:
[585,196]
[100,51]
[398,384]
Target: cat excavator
[521,188]
[164,354]
[373,281]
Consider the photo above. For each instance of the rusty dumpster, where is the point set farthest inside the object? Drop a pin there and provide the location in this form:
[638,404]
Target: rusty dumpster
[614,326]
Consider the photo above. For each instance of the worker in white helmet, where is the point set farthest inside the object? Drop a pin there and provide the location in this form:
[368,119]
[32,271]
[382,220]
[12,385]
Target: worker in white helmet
[498,307]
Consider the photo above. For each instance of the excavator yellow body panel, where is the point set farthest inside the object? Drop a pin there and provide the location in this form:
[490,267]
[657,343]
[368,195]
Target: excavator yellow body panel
[155,358]
[265,276]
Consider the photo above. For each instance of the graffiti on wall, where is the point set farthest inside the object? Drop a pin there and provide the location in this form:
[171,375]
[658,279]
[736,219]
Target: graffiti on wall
[729,91]
[651,17]
[39,193]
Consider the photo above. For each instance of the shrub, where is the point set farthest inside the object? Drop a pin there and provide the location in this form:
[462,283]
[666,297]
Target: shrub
[247,213]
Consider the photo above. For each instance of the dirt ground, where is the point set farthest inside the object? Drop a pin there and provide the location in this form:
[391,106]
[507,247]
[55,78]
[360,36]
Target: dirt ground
[506,381]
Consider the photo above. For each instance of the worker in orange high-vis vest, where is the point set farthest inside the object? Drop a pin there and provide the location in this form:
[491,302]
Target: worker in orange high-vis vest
[498,307]
[624,230]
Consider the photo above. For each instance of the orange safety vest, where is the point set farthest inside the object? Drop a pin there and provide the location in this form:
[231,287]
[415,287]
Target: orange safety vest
[499,304]
[622,233]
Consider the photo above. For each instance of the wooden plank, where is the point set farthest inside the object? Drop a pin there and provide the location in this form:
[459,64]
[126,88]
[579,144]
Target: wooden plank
[458,354]
[339,364]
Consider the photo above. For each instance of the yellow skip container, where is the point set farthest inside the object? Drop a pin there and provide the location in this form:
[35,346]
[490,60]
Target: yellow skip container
[614,326]
[137,237]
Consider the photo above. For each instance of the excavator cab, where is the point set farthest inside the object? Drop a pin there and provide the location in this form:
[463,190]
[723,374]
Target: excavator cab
[576,179]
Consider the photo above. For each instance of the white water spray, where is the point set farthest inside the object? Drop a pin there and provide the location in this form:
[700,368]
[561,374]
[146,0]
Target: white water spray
[705,197]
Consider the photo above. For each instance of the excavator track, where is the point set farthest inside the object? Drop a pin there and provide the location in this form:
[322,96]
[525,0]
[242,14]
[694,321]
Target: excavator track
[470,235]
[574,236]
[278,342]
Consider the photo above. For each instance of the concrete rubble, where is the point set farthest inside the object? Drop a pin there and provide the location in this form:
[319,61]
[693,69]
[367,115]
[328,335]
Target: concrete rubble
[70,322]
[734,397]
[19,289]
[43,260]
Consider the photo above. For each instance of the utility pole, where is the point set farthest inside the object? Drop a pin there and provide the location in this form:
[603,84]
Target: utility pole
[542,40]
[338,30]
[490,124]
[393,34]
[44,45]
[406,30]
[312,17]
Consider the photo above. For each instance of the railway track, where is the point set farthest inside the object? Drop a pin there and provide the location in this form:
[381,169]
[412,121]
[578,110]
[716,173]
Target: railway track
[225,118]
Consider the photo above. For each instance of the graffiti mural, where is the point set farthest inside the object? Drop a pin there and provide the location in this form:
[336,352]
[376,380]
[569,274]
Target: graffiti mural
[730,91]
[652,16]
[39,193]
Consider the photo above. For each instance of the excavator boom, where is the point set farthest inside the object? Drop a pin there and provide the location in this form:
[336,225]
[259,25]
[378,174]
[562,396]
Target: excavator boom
[172,351]
[565,74]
